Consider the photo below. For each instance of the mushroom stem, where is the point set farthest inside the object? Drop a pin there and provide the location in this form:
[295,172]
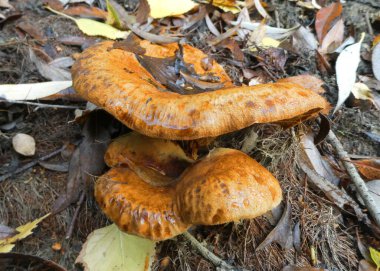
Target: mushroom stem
[207,254]
[360,185]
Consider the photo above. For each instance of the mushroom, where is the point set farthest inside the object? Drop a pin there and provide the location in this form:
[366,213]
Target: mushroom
[226,185]
[115,78]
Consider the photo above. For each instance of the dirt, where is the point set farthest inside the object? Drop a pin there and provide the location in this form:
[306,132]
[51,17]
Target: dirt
[31,194]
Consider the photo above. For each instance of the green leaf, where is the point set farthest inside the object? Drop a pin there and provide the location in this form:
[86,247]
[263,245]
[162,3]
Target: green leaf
[375,256]
[110,249]
[95,28]
[113,16]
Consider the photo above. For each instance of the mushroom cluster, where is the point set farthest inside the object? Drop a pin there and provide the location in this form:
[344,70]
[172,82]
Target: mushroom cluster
[224,186]
[153,188]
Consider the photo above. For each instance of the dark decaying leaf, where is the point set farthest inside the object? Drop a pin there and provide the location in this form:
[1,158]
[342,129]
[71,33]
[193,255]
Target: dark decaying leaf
[282,233]
[326,18]
[59,167]
[87,161]
[143,11]
[324,129]
[6,232]
[17,261]
[32,30]
[364,251]
[234,47]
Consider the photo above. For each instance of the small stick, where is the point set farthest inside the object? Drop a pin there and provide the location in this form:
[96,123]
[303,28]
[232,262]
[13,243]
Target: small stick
[31,164]
[360,185]
[43,105]
[70,230]
[207,254]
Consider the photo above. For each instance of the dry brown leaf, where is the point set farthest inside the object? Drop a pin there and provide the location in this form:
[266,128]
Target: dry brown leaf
[326,18]
[369,168]
[85,11]
[32,31]
[87,160]
[282,233]
[333,38]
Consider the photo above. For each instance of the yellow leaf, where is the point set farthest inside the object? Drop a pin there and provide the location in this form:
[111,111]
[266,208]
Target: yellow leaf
[110,249]
[269,42]
[6,244]
[95,28]
[375,256]
[165,8]
[6,248]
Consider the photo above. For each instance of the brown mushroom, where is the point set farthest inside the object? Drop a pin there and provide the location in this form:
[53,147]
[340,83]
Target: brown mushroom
[226,185]
[115,79]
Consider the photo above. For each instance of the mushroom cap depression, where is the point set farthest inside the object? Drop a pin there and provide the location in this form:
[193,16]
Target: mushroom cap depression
[114,79]
[226,185]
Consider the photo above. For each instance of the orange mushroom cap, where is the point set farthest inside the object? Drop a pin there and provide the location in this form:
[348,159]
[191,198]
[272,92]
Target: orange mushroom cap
[226,185]
[137,207]
[115,80]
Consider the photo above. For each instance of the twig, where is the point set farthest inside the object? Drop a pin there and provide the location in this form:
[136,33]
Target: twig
[70,230]
[218,262]
[31,164]
[361,187]
[41,105]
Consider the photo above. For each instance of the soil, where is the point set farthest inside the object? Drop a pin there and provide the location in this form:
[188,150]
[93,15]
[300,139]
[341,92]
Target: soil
[31,194]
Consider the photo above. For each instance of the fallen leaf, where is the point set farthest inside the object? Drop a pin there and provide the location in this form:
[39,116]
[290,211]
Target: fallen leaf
[87,160]
[326,18]
[261,10]
[5,4]
[110,249]
[62,62]
[376,61]
[316,160]
[282,233]
[225,5]
[117,16]
[86,11]
[346,66]
[333,38]
[369,168]
[49,72]
[366,266]
[166,8]
[375,256]
[18,261]
[6,245]
[6,232]
[159,39]
[272,32]
[95,28]
[211,26]
[24,144]
[363,92]
[304,40]
[32,31]
[59,167]
[297,237]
